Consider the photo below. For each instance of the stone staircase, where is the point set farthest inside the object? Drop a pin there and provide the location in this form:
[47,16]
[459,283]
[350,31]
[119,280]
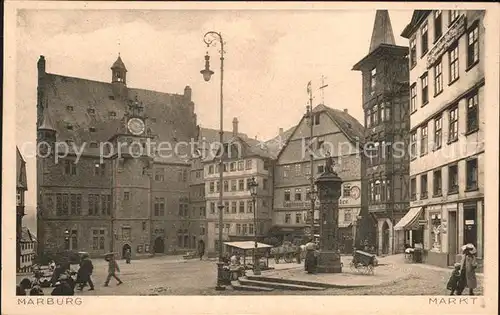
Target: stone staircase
[267,284]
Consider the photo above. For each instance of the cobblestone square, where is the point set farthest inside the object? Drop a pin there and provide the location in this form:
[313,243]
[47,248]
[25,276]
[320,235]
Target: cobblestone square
[171,275]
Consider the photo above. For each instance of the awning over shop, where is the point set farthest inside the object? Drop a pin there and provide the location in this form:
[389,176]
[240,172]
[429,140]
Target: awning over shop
[410,218]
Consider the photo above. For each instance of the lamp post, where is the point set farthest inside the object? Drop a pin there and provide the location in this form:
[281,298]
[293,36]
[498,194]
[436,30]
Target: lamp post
[253,191]
[209,38]
[310,120]
[313,195]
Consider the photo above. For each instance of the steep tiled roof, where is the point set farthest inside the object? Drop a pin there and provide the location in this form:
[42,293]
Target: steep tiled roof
[276,144]
[248,148]
[21,181]
[349,125]
[92,105]
[27,236]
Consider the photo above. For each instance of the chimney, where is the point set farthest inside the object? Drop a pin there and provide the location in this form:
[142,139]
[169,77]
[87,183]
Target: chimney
[41,66]
[187,93]
[235,127]
[281,132]
[346,111]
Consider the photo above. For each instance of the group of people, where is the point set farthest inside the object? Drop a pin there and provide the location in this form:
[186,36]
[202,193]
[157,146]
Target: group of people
[62,277]
[464,273]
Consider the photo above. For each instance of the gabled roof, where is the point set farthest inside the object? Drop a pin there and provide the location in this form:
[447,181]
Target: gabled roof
[417,18]
[27,236]
[21,181]
[276,144]
[348,125]
[382,30]
[248,149]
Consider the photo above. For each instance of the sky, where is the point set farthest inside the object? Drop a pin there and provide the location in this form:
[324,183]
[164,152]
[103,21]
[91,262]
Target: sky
[270,57]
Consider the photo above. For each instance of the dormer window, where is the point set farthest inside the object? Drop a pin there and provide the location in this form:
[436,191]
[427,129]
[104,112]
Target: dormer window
[111,97]
[91,111]
[69,108]
[92,129]
[69,126]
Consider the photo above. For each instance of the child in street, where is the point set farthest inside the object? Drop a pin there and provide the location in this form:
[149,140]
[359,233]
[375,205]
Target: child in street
[454,279]
[112,269]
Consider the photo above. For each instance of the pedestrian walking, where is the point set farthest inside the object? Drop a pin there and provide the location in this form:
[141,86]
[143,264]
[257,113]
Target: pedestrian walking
[201,249]
[310,263]
[85,273]
[112,269]
[468,269]
[453,282]
[128,256]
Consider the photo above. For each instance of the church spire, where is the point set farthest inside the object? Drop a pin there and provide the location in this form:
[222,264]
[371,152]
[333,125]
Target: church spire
[382,30]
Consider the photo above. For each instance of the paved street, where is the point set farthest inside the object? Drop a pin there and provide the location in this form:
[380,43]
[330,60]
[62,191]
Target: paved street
[170,275]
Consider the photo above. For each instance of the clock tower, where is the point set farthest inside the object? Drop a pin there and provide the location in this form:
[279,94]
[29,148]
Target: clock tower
[132,165]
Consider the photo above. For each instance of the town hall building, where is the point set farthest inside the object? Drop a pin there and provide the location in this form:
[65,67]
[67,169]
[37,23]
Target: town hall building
[136,199]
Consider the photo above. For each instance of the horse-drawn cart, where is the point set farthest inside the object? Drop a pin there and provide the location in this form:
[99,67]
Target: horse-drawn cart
[286,252]
[363,262]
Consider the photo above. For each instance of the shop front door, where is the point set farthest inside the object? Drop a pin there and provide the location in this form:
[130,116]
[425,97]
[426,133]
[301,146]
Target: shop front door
[452,237]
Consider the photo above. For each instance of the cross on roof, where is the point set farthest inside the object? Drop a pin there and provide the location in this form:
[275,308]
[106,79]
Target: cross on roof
[322,87]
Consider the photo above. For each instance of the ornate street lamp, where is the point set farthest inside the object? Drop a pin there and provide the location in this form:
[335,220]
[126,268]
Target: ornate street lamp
[253,185]
[309,116]
[209,38]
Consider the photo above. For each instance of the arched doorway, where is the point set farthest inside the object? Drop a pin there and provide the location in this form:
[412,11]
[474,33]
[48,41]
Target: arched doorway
[385,238]
[159,246]
[125,248]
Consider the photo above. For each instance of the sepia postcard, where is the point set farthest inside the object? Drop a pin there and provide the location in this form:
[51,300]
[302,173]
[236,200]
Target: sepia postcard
[250,158]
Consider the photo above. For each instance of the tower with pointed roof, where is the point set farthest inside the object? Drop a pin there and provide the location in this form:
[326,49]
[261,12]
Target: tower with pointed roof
[385,96]
[119,78]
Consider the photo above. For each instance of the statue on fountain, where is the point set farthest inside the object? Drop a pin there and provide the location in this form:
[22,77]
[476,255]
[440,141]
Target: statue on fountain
[329,163]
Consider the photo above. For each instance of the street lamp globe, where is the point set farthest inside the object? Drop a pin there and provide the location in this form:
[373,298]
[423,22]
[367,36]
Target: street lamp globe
[207,73]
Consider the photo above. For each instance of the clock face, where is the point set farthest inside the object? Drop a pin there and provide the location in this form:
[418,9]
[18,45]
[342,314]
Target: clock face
[136,126]
[355,192]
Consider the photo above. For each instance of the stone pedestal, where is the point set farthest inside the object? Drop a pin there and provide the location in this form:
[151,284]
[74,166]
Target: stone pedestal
[329,262]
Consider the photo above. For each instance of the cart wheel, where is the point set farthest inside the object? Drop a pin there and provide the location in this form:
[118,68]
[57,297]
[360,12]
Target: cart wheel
[371,269]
